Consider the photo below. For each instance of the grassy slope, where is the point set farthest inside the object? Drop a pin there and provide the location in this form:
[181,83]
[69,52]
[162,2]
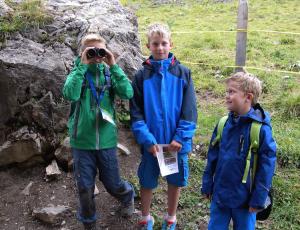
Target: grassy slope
[281,90]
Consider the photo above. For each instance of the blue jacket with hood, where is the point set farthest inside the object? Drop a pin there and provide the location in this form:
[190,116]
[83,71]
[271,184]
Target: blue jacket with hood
[164,105]
[226,163]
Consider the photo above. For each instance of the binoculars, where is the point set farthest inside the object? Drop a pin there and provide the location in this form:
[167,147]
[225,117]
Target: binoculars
[95,52]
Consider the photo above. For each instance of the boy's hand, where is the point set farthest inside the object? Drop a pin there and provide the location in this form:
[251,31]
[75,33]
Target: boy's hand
[253,209]
[175,146]
[109,58]
[93,60]
[153,150]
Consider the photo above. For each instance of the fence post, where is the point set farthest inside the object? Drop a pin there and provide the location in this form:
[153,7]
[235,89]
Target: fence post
[241,36]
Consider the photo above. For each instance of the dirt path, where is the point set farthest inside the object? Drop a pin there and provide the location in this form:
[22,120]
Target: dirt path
[16,208]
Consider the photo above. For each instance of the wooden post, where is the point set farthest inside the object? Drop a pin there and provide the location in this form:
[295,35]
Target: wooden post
[241,36]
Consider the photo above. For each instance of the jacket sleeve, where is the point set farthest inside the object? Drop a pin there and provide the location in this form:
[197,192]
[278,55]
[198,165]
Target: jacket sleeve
[120,83]
[212,158]
[265,168]
[186,126]
[139,127]
[72,87]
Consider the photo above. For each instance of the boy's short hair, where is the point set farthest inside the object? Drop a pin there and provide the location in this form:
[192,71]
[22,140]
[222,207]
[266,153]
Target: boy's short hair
[247,83]
[160,29]
[91,38]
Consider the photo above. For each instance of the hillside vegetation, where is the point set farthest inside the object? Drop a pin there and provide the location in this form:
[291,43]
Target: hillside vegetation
[273,57]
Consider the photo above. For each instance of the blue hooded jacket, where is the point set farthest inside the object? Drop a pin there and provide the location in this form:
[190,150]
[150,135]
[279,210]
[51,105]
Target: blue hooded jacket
[226,163]
[164,105]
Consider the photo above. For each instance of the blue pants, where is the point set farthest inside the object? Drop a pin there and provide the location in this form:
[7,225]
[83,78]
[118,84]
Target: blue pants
[148,171]
[220,218]
[86,163]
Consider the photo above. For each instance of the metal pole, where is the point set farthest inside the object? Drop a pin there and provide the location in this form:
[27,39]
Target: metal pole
[241,37]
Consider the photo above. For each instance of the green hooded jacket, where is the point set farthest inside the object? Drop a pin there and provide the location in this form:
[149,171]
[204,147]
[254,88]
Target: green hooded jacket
[93,132]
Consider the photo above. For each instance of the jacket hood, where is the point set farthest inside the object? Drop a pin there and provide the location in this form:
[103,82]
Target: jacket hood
[156,64]
[256,113]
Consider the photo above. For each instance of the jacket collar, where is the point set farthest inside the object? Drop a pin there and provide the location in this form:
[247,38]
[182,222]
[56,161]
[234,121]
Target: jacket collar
[158,64]
[256,113]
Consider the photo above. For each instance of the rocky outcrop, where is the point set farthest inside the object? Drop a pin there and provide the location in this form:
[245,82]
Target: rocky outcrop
[35,62]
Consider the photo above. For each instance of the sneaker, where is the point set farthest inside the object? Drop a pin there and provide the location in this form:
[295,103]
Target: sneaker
[90,226]
[146,225]
[168,225]
[127,209]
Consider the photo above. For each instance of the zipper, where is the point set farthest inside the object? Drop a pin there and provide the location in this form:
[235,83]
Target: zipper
[97,114]
[241,144]
[163,102]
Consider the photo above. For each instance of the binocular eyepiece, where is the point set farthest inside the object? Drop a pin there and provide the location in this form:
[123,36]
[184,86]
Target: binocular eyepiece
[95,52]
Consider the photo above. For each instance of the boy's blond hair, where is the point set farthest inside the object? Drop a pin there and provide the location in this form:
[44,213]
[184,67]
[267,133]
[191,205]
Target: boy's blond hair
[91,38]
[247,83]
[159,29]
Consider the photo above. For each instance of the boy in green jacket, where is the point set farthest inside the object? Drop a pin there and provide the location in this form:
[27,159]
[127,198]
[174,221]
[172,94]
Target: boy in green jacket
[93,135]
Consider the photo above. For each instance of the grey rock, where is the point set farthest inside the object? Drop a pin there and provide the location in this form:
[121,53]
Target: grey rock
[51,214]
[52,171]
[4,9]
[123,149]
[63,154]
[20,147]
[34,64]
[26,190]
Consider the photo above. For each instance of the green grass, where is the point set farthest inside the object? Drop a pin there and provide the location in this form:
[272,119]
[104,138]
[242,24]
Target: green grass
[208,54]
[27,14]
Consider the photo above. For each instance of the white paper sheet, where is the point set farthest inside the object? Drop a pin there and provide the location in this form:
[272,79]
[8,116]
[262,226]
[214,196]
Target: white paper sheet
[167,161]
[107,117]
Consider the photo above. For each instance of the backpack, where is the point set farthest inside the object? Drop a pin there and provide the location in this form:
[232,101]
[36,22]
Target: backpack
[75,105]
[254,145]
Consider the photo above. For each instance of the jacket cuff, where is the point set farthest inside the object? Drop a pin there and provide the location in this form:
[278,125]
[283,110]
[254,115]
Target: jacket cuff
[178,139]
[82,68]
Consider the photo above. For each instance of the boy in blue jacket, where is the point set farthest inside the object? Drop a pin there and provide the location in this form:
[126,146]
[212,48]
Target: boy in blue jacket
[163,111]
[222,178]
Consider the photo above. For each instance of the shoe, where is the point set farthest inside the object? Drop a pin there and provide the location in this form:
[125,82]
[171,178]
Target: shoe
[127,209]
[168,225]
[90,226]
[147,225]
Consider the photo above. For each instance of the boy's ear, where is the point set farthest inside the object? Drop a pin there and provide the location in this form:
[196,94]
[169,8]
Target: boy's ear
[147,45]
[250,97]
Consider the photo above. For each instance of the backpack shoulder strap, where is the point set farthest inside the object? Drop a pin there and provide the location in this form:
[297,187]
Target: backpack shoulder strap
[254,145]
[220,128]
[254,137]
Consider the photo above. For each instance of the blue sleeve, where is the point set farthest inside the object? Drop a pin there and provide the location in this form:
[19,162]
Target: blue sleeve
[187,124]
[212,158]
[138,125]
[265,168]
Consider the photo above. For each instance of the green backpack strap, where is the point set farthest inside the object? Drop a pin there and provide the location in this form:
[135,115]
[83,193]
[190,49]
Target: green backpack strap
[254,145]
[220,128]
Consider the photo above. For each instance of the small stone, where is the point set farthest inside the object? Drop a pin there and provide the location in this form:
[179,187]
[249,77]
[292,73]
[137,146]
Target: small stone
[26,190]
[96,191]
[286,77]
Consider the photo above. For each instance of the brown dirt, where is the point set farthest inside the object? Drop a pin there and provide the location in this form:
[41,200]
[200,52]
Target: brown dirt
[16,208]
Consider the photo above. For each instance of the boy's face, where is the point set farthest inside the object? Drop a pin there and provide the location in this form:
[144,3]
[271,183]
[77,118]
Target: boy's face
[159,47]
[236,100]
[98,45]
